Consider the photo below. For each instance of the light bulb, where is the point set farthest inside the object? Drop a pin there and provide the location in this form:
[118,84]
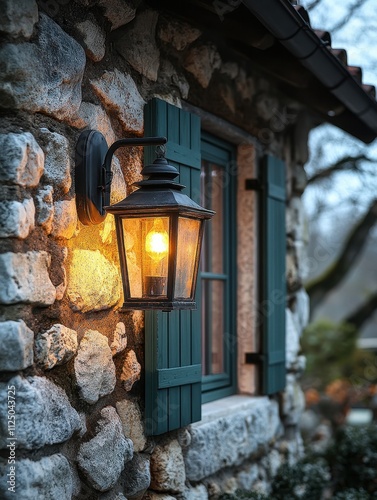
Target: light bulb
[157,241]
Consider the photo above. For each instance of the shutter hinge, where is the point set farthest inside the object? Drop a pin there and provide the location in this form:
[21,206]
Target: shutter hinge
[253,185]
[254,358]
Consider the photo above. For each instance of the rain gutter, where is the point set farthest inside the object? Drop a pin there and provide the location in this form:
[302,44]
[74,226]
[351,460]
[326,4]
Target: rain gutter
[295,34]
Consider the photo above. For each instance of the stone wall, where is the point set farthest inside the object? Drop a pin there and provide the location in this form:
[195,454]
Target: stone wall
[75,363]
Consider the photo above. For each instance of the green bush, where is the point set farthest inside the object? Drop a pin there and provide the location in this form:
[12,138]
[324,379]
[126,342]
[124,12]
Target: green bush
[303,480]
[352,494]
[331,353]
[244,495]
[353,458]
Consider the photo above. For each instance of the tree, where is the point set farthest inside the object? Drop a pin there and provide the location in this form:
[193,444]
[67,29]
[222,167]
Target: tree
[342,176]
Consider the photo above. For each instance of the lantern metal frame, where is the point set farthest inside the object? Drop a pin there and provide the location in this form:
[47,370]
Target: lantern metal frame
[158,196]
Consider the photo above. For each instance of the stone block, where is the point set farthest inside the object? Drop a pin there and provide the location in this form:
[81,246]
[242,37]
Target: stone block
[231,438]
[179,34]
[201,61]
[45,208]
[130,371]
[44,414]
[21,159]
[293,401]
[136,476]
[57,160]
[16,346]
[118,12]
[119,94]
[94,282]
[44,76]
[292,340]
[131,418]
[168,468]
[198,492]
[16,218]
[102,458]
[56,346]
[301,310]
[93,39]
[18,17]
[94,117]
[65,219]
[25,278]
[151,495]
[169,76]
[138,45]
[119,342]
[94,367]
[49,478]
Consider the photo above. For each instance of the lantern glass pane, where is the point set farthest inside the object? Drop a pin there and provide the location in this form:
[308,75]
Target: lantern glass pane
[146,245]
[187,248]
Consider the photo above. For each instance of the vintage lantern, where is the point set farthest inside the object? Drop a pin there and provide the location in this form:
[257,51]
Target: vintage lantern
[159,228]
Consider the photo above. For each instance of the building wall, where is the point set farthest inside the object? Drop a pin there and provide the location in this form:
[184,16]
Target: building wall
[72,362]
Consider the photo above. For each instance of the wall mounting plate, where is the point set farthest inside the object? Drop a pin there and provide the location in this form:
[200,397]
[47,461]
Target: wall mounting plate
[91,195]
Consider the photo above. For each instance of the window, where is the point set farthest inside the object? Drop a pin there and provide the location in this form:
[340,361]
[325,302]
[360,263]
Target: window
[217,291]
[176,380]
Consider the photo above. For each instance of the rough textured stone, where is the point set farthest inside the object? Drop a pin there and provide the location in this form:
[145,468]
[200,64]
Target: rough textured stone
[292,340]
[119,95]
[230,68]
[168,468]
[301,310]
[44,76]
[196,493]
[118,12]
[138,45]
[178,34]
[57,160]
[151,495]
[44,413]
[232,437]
[136,476]
[65,219]
[94,367]
[169,76]
[21,159]
[202,61]
[102,458]
[293,401]
[93,39]
[245,85]
[130,416]
[119,342]
[16,219]
[25,278]
[61,287]
[55,346]
[131,370]
[18,17]
[49,478]
[45,208]
[94,282]
[247,476]
[94,117]
[16,346]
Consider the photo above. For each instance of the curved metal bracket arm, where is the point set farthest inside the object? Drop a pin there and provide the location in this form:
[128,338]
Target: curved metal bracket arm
[93,173]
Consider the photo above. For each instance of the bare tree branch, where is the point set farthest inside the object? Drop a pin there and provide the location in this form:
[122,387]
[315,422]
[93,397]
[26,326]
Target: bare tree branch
[313,4]
[346,163]
[364,312]
[350,12]
[319,287]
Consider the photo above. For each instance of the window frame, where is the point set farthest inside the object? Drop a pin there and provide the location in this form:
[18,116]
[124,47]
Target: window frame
[223,154]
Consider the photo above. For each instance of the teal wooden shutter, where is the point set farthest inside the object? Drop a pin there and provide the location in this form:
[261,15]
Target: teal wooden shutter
[273,276]
[173,340]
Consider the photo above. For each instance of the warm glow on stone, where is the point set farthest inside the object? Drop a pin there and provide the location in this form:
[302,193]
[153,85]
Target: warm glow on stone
[94,282]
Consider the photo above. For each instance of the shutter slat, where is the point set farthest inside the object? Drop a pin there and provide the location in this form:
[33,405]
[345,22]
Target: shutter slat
[273,281]
[173,368]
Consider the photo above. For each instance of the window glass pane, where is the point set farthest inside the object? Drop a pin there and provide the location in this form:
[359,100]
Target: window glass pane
[188,231]
[212,197]
[147,258]
[213,326]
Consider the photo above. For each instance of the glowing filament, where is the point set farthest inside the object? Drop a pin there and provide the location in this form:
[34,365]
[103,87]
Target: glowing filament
[157,241]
